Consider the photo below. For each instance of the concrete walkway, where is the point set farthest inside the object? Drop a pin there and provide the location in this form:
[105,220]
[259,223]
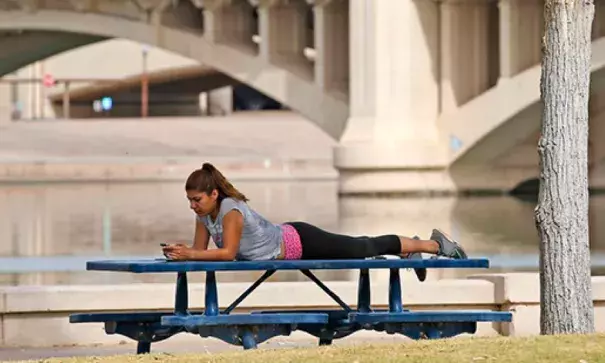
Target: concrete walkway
[251,144]
[204,346]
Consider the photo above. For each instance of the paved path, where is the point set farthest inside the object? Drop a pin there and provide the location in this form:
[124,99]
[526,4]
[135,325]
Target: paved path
[203,346]
[258,142]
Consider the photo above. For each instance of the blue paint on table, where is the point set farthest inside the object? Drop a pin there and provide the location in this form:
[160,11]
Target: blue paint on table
[249,329]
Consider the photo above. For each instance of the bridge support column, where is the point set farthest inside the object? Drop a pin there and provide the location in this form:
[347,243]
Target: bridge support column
[332,45]
[521,30]
[5,103]
[391,141]
[220,101]
[285,35]
[465,50]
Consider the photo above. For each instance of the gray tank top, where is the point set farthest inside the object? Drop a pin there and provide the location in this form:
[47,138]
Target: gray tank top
[261,239]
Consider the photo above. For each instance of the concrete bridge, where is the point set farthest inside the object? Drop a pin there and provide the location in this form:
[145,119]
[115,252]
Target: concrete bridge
[422,95]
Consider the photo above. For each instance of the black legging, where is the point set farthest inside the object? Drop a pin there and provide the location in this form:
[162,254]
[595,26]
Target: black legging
[318,244]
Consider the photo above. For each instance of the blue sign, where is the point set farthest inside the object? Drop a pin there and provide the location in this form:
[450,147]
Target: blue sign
[106,103]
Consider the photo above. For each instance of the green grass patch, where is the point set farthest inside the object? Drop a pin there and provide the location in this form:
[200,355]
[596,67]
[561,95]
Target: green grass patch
[538,349]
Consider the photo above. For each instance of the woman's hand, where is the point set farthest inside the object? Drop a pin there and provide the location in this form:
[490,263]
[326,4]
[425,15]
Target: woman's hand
[179,252]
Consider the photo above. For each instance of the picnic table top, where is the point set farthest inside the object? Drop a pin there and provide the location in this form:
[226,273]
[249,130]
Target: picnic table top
[162,265]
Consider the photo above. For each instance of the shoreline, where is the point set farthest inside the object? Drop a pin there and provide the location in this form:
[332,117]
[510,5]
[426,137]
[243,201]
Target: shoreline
[116,169]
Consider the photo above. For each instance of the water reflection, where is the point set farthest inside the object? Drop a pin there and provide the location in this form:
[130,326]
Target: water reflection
[48,231]
[63,225]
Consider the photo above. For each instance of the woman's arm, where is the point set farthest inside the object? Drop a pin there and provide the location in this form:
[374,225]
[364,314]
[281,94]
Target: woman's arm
[201,237]
[233,223]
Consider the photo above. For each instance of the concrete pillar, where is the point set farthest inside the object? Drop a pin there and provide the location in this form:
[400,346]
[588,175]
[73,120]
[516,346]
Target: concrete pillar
[6,223]
[332,45]
[521,30]
[231,23]
[465,63]
[220,101]
[283,34]
[393,94]
[5,103]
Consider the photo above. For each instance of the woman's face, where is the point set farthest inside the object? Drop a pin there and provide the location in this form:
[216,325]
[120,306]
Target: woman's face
[201,203]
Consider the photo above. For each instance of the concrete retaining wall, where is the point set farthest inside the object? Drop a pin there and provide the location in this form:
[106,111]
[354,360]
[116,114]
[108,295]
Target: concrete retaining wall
[520,294]
[38,316]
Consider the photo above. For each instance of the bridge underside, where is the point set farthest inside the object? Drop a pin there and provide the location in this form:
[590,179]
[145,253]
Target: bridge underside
[23,47]
[171,92]
[218,36]
[500,142]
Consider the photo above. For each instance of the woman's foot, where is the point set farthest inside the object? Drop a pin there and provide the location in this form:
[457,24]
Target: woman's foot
[447,246]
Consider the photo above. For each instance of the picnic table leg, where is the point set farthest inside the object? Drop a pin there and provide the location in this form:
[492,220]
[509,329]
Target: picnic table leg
[143,347]
[181,301]
[325,341]
[248,340]
[395,304]
[180,308]
[211,296]
[363,291]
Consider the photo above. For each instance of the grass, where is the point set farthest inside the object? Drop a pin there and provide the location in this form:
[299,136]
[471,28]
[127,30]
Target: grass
[538,349]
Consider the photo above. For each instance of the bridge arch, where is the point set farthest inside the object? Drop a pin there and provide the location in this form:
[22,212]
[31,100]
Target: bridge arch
[506,115]
[328,112]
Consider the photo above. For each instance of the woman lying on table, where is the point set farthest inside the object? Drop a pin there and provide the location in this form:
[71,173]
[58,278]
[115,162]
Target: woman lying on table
[241,233]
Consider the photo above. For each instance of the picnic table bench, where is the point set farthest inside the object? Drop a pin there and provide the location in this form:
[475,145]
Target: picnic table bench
[250,329]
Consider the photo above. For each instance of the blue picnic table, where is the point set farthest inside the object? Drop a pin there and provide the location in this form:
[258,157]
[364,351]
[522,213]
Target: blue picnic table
[250,329]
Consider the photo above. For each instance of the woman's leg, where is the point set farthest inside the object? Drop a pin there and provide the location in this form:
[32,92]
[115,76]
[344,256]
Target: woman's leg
[320,244]
[410,245]
[439,244]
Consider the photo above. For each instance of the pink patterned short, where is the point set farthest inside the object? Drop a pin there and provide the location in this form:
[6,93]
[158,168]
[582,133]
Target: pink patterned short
[292,244]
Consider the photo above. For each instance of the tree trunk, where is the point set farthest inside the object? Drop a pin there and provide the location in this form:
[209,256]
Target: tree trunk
[562,210]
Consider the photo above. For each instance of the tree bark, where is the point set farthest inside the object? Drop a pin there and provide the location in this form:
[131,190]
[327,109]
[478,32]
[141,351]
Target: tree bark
[562,210]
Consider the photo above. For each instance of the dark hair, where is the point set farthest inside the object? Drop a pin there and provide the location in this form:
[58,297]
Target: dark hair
[209,178]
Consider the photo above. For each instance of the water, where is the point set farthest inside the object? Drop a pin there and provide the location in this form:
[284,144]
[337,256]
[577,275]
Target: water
[49,231]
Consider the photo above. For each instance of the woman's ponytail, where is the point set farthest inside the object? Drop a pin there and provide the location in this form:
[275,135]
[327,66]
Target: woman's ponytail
[209,178]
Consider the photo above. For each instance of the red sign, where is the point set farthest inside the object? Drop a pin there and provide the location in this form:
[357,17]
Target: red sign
[48,81]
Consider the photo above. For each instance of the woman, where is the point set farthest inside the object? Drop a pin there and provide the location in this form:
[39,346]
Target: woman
[241,233]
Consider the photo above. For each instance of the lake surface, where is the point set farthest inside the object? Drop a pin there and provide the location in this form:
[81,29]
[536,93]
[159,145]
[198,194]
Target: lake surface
[49,231]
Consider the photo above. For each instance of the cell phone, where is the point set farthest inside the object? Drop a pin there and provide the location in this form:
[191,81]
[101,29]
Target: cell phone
[164,245]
